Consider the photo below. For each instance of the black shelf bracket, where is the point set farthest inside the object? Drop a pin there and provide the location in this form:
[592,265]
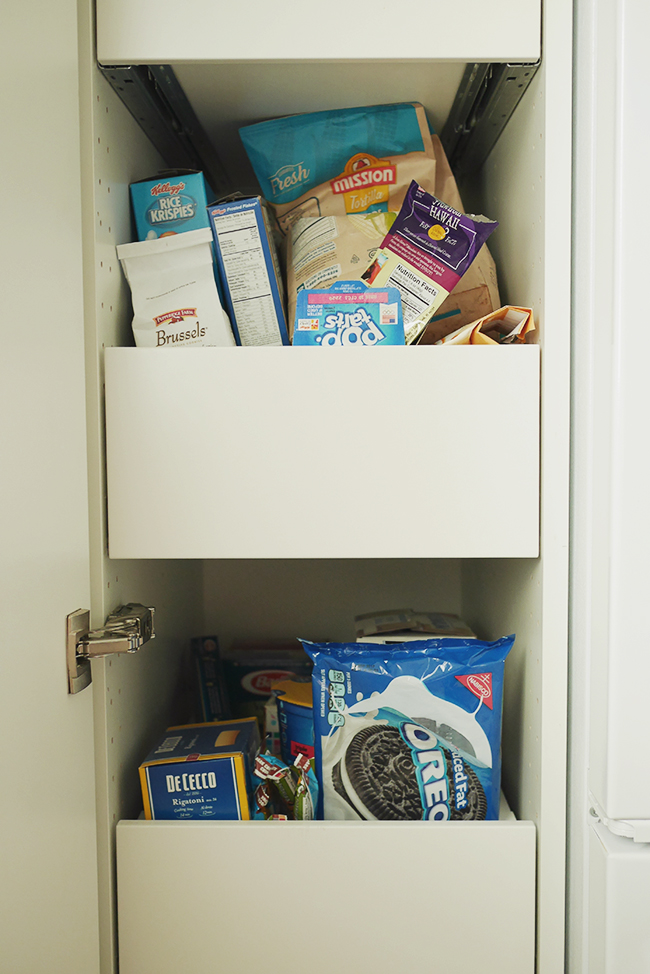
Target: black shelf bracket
[154,97]
[486,98]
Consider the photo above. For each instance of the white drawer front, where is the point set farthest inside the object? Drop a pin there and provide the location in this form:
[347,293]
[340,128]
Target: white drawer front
[154,31]
[295,453]
[327,897]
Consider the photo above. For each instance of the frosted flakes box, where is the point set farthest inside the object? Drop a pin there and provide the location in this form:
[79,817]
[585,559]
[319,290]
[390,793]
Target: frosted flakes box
[349,313]
[201,771]
[249,270]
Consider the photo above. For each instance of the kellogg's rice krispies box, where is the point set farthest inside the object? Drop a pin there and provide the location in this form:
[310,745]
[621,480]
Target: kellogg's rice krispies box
[175,201]
[349,313]
[201,771]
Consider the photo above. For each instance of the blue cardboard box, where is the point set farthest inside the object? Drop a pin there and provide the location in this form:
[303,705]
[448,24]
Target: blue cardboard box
[249,270]
[208,676]
[349,313]
[174,201]
[201,771]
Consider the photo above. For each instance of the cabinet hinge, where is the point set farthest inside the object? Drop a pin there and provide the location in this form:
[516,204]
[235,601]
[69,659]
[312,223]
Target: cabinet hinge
[125,631]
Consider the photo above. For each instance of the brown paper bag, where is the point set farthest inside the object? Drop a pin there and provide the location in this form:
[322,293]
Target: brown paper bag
[506,326]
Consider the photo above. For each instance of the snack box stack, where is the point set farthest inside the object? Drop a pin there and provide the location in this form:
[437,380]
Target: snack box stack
[402,625]
[201,771]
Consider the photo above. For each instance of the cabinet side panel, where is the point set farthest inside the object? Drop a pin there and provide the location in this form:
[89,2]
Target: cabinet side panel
[528,178]
[133,695]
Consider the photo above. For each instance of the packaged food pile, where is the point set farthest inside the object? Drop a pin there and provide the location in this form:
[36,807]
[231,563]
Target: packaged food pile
[402,725]
[358,237]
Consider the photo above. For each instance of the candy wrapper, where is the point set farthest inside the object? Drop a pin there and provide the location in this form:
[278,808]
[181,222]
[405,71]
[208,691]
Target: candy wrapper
[424,255]
[285,792]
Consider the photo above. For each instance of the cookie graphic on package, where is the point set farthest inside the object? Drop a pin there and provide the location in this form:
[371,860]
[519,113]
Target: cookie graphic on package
[377,778]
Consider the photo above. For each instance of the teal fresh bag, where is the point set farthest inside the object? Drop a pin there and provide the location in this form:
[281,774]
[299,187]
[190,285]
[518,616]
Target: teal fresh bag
[356,160]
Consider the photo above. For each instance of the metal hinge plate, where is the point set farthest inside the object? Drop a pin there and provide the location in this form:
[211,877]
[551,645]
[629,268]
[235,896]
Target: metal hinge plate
[125,631]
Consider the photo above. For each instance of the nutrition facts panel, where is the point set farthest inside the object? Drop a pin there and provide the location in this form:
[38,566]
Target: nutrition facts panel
[248,280]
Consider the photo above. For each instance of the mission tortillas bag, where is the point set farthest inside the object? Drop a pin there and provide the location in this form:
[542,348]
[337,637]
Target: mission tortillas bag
[349,161]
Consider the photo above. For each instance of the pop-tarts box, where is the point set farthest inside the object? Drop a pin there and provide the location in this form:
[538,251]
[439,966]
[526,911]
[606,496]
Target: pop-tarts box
[249,270]
[201,771]
[349,313]
[173,202]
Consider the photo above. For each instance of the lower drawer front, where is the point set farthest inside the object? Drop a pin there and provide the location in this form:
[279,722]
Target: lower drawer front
[326,897]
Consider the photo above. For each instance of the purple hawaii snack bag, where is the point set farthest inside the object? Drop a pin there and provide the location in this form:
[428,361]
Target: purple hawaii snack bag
[424,255]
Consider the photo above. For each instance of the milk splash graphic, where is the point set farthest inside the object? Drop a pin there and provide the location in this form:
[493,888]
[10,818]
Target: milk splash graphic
[408,696]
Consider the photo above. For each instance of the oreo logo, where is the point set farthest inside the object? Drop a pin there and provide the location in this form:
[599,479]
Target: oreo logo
[430,769]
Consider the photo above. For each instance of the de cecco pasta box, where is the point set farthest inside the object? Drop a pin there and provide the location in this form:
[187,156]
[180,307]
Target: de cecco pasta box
[201,771]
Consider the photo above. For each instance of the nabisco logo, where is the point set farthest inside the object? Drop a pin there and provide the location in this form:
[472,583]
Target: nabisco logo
[480,684]
[175,317]
[260,681]
[287,177]
[363,171]
[171,188]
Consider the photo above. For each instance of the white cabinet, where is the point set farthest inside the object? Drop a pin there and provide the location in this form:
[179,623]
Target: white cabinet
[214,479]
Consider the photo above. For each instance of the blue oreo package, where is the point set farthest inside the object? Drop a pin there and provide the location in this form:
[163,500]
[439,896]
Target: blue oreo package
[349,313]
[410,731]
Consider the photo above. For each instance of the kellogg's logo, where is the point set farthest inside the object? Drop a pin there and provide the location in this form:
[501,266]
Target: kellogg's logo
[171,188]
[260,681]
[287,177]
[480,684]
